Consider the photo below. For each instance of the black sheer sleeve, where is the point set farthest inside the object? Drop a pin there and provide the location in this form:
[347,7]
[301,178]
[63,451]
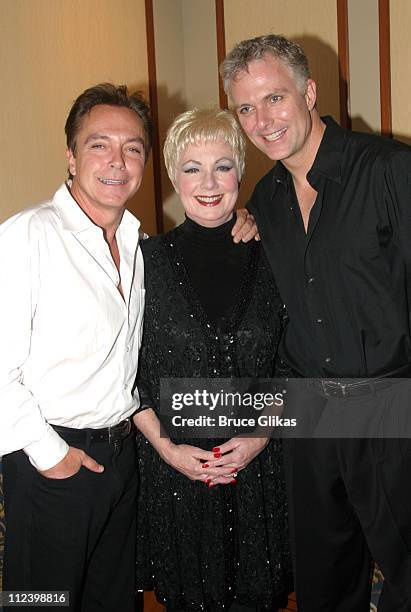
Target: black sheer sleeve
[142,384]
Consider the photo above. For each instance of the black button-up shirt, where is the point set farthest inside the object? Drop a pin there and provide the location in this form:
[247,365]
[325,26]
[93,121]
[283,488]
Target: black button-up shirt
[346,283]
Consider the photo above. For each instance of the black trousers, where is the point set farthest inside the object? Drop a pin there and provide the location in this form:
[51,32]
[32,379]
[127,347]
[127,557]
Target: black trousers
[75,534]
[350,501]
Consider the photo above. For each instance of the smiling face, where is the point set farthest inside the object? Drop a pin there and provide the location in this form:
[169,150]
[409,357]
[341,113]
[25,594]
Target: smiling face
[207,182]
[108,163]
[274,109]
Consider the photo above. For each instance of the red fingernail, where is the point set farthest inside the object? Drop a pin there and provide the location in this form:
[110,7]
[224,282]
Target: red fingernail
[217,455]
[211,485]
[208,481]
[216,449]
[205,465]
[233,481]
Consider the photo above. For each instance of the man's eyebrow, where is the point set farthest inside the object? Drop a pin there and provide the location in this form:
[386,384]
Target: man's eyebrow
[277,92]
[138,139]
[273,92]
[97,136]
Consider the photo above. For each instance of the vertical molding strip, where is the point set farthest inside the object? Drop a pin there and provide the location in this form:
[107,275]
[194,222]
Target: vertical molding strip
[153,95]
[385,67]
[343,61]
[221,51]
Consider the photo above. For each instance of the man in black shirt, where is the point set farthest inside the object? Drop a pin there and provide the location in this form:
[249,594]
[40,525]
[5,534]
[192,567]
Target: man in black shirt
[334,216]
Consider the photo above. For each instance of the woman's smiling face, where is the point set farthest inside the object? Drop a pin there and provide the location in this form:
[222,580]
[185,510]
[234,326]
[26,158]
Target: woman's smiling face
[207,182]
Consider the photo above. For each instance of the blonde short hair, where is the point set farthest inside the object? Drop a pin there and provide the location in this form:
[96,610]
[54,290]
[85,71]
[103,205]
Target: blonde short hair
[199,126]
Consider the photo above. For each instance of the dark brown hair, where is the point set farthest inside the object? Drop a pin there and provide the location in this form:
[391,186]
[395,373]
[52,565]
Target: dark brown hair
[112,95]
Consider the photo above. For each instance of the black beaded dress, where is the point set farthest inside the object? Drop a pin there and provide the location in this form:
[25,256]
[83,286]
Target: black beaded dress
[212,310]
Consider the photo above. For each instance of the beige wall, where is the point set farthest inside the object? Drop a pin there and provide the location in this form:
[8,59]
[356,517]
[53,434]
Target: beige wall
[401,68]
[364,65]
[312,23]
[50,51]
[187,72]
[201,63]
[169,37]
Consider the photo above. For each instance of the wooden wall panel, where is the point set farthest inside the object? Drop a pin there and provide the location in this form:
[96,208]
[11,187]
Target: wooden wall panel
[343,62]
[385,66]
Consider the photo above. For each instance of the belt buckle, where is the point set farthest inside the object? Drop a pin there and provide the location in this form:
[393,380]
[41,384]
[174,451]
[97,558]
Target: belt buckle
[128,428]
[123,432]
[323,384]
[333,388]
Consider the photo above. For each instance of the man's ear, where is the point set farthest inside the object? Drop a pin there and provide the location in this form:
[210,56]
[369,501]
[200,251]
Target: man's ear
[310,94]
[71,161]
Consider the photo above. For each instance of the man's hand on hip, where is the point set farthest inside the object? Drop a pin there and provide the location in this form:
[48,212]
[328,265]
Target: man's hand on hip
[71,464]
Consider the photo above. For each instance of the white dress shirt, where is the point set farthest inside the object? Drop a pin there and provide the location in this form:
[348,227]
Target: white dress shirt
[68,341]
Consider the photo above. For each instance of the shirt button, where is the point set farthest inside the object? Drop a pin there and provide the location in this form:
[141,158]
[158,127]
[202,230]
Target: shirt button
[319,321]
[310,280]
[327,359]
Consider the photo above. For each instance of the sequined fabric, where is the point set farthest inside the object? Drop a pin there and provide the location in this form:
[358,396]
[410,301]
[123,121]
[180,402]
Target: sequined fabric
[199,547]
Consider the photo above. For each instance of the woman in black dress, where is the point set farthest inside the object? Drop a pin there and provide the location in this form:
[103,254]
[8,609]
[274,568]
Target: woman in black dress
[211,538]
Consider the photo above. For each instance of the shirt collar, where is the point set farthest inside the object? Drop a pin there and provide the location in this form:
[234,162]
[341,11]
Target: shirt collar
[74,219]
[328,160]
[329,155]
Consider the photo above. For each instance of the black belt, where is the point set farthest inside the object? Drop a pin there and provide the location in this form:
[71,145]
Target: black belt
[106,434]
[334,388]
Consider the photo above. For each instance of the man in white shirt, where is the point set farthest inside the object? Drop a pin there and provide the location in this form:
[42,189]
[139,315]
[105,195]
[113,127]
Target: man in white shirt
[70,326]
[71,312]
